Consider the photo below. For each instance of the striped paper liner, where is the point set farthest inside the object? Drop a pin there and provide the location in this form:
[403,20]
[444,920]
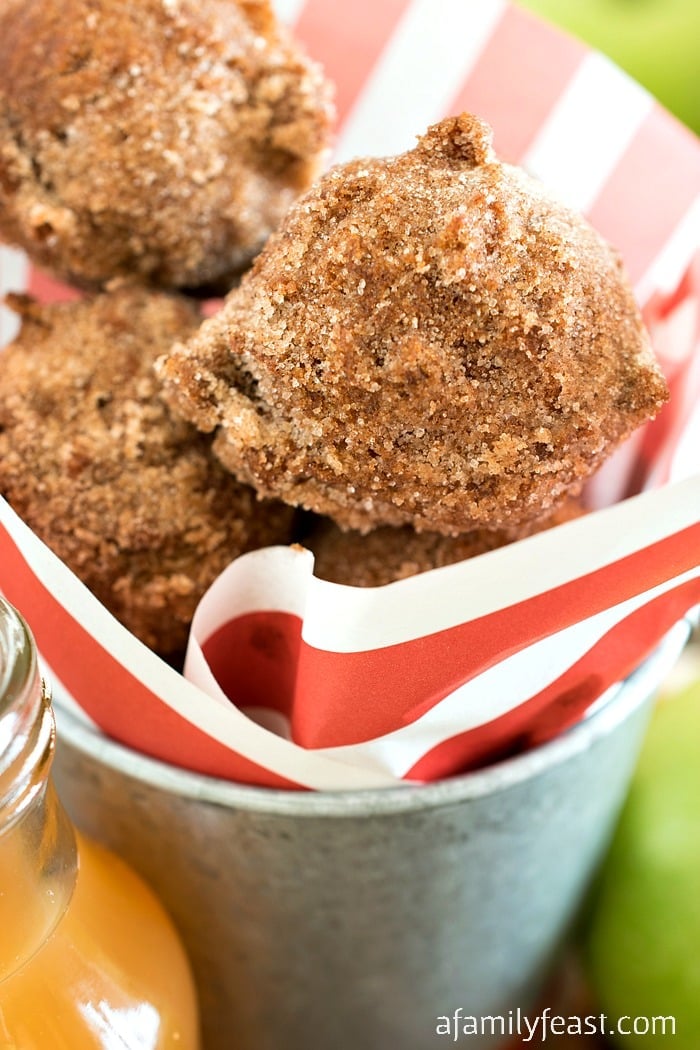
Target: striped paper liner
[294,682]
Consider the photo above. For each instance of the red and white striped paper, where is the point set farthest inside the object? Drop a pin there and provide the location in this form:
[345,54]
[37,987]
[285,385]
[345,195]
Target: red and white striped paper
[295,682]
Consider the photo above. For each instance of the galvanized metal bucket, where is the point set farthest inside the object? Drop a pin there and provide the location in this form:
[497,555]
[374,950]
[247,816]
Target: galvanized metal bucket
[360,919]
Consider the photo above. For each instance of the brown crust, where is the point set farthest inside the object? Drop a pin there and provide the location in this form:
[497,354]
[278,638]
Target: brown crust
[430,340]
[389,554]
[163,139]
[130,499]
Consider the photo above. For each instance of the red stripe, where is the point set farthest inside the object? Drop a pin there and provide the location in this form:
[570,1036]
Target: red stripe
[345,698]
[254,659]
[517,79]
[563,703]
[116,700]
[661,306]
[651,189]
[348,39]
[128,711]
[47,289]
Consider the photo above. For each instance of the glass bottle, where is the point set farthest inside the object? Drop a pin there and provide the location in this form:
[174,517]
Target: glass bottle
[89,960]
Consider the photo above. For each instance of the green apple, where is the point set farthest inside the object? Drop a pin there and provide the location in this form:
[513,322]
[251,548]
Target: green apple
[641,942]
[656,41]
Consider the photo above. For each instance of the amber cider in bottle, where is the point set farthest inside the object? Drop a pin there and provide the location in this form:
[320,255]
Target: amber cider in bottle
[89,960]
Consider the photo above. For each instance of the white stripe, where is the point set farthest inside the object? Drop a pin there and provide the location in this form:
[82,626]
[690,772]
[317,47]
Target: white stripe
[684,459]
[416,78]
[219,720]
[288,11]
[670,264]
[271,578]
[14,273]
[495,692]
[348,619]
[337,770]
[587,132]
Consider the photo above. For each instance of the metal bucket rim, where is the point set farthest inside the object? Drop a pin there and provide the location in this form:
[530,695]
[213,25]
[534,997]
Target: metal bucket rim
[619,703]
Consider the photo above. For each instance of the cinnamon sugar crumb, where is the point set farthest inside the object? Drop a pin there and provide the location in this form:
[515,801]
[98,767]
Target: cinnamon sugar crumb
[132,500]
[494,358]
[161,139]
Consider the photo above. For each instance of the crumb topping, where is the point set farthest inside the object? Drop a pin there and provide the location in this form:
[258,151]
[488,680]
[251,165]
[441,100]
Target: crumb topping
[159,139]
[132,500]
[429,340]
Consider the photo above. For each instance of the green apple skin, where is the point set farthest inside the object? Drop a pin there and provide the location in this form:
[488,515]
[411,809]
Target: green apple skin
[656,41]
[641,941]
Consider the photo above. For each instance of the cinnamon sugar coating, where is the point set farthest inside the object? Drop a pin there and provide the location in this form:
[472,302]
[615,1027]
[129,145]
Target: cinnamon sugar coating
[389,554]
[133,501]
[164,138]
[429,340]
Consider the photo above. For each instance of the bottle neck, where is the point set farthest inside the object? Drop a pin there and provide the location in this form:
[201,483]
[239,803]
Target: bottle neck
[38,860]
